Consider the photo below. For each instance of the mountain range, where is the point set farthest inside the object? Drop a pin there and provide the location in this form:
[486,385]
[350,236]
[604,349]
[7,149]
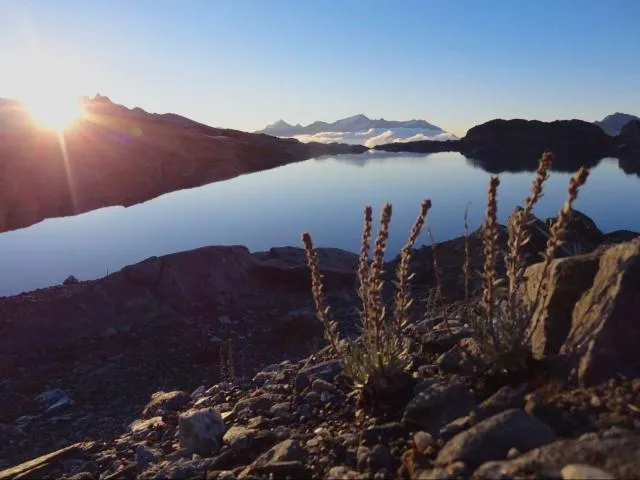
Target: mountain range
[360,129]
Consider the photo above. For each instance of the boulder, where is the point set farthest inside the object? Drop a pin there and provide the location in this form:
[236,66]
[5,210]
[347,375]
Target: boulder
[492,439]
[605,328]
[437,405]
[201,431]
[569,278]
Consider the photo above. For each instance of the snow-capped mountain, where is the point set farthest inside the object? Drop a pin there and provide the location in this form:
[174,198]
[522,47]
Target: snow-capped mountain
[359,129]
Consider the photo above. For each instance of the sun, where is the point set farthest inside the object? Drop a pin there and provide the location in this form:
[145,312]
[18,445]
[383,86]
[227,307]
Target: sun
[53,111]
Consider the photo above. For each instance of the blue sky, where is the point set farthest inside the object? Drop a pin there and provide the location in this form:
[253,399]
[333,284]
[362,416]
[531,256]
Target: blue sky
[245,63]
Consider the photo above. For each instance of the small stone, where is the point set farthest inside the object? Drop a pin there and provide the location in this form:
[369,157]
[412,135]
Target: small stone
[319,385]
[198,392]
[422,441]
[362,458]
[595,401]
[380,458]
[342,473]
[238,437]
[578,471]
[326,397]
[513,453]
[54,399]
[145,456]
[163,402]
[282,409]
[385,433]
[322,432]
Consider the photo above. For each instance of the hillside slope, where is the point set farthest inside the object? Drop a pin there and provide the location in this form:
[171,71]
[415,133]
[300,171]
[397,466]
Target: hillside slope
[121,156]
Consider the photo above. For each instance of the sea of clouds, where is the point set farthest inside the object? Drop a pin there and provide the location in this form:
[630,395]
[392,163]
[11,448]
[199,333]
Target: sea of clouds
[377,136]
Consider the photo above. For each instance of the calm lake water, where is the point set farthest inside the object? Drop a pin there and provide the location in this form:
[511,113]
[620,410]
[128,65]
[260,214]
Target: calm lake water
[324,196]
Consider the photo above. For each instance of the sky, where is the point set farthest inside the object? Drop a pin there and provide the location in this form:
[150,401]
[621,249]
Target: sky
[246,63]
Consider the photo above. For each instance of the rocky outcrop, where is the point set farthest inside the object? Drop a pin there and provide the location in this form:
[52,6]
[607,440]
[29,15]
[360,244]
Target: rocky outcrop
[590,313]
[205,280]
[629,147]
[513,144]
[516,145]
[605,327]
[121,156]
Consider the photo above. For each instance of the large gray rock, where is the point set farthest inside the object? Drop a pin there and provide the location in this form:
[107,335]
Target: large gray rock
[568,279]
[201,431]
[437,405]
[492,438]
[605,330]
[618,455]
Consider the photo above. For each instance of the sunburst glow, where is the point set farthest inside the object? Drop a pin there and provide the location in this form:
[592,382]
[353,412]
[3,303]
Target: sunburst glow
[55,112]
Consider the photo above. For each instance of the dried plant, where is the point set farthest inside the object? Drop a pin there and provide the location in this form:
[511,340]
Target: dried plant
[436,268]
[376,307]
[519,232]
[403,300]
[322,308]
[490,242]
[557,236]
[382,347]
[363,267]
[466,269]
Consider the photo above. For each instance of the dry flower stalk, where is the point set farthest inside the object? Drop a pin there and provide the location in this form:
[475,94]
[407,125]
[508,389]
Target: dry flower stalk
[466,269]
[377,309]
[558,232]
[363,267]
[322,308]
[403,299]
[519,233]
[490,241]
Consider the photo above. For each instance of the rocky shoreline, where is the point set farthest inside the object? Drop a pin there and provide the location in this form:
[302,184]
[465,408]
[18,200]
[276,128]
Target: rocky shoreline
[209,364]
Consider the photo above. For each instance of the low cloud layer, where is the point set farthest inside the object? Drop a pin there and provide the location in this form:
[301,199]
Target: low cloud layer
[376,136]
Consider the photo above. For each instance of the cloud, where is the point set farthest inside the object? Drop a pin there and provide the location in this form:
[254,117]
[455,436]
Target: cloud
[377,136]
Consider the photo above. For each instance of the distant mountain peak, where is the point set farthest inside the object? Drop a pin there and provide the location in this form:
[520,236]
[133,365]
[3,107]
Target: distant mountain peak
[280,123]
[612,124]
[354,123]
[360,129]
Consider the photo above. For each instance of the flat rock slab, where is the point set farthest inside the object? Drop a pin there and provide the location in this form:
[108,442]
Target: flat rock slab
[617,455]
[38,467]
[492,439]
